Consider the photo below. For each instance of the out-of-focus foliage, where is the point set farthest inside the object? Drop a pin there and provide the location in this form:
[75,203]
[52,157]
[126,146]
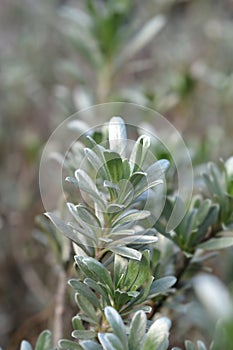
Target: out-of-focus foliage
[179,61]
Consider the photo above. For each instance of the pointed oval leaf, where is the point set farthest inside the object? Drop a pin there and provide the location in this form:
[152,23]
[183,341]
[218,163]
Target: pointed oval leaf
[157,336]
[116,324]
[25,345]
[137,330]
[217,243]
[139,152]
[127,252]
[81,288]
[67,231]
[91,345]
[77,322]
[162,285]
[117,135]
[132,215]
[100,273]
[86,307]
[69,345]
[142,38]
[201,345]
[83,334]
[114,166]
[44,342]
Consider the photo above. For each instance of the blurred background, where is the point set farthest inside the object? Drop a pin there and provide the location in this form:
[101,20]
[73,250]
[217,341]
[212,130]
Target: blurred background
[57,57]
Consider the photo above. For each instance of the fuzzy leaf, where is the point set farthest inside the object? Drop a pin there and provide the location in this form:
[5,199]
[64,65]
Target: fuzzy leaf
[142,38]
[120,268]
[117,135]
[77,323]
[116,324]
[137,331]
[100,289]
[162,285]
[66,230]
[201,345]
[91,345]
[127,252]
[86,307]
[83,334]
[114,165]
[44,341]
[25,345]
[96,161]
[139,152]
[157,336]
[216,243]
[110,341]
[69,345]
[98,272]
[132,215]
[81,288]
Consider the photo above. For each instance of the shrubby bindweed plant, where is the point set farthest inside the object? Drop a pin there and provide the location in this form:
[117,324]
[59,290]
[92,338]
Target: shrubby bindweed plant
[130,270]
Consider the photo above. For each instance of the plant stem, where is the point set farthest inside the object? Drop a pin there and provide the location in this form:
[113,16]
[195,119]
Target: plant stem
[59,306]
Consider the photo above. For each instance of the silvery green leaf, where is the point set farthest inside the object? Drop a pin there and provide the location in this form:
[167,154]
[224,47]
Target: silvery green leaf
[130,275]
[201,345]
[126,168]
[189,345]
[217,243]
[86,184]
[77,322]
[155,176]
[111,185]
[214,296]
[69,345]
[144,270]
[83,334]
[132,216]
[116,324]
[78,125]
[161,285]
[67,231]
[139,152]
[203,211]
[95,160]
[87,216]
[44,342]
[97,271]
[121,232]
[25,345]
[91,345]
[87,307]
[81,288]
[110,341]
[126,252]
[114,166]
[125,192]
[137,331]
[136,240]
[115,208]
[136,177]
[88,233]
[157,336]
[142,38]
[117,135]
[99,288]
[120,268]
[143,295]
